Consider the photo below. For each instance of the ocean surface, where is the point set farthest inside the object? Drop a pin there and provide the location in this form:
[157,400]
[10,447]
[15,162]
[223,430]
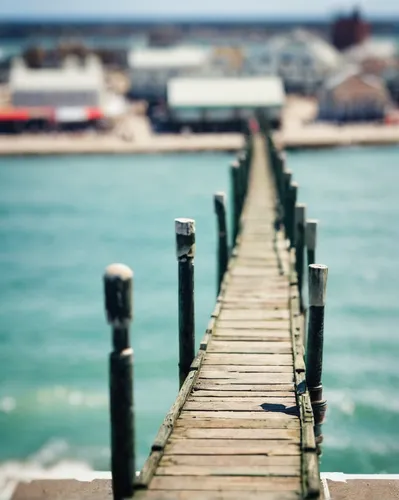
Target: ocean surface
[63,219]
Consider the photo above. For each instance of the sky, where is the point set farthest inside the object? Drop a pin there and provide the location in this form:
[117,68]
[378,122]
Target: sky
[189,8]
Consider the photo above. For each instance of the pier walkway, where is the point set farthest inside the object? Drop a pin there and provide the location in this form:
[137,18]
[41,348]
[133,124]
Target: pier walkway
[239,426]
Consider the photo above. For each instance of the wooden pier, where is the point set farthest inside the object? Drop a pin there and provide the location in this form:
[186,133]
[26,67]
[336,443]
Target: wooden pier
[242,421]
[242,425]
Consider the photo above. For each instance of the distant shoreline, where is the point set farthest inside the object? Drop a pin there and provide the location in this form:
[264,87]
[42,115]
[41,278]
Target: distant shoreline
[310,137]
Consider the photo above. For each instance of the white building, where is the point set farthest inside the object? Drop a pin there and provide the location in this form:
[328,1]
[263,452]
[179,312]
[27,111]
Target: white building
[224,100]
[70,86]
[152,68]
[300,58]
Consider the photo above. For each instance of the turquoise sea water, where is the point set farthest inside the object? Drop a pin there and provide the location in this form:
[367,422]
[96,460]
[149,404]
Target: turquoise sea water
[354,194]
[63,219]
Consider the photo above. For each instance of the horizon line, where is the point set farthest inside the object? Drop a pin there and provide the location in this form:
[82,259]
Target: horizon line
[192,18]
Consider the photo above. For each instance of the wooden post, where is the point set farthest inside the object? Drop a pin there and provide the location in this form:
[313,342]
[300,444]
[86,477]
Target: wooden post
[223,251]
[287,184]
[118,285]
[243,160]
[292,196]
[314,352]
[242,179]
[300,217]
[235,189]
[280,188]
[311,240]
[185,250]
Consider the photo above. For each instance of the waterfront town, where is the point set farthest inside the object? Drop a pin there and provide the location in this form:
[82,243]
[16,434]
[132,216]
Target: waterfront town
[192,87]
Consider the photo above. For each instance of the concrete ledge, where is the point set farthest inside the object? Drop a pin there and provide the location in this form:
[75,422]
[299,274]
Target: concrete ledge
[64,489]
[365,487]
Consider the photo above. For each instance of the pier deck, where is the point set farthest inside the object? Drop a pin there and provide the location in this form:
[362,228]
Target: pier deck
[240,428]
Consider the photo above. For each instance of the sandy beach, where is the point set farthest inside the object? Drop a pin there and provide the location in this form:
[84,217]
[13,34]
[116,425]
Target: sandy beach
[133,135]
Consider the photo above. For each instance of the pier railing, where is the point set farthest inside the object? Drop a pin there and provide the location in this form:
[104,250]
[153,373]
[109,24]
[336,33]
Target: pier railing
[298,236]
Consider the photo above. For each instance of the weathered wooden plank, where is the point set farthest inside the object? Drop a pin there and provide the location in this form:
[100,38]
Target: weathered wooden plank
[252,335]
[238,347]
[216,385]
[286,399]
[170,418]
[255,296]
[253,325]
[256,415]
[231,460]
[234,483]
[242,394]
[241,271]
[216,494]
[255,306]
[248,359]
[247,378]
[204,433]
[244,470]
[268,406]
[149,468]
[253,315]
[248,368]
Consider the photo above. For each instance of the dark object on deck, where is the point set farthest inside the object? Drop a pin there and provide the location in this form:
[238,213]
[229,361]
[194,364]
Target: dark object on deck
[311,240]
[236,199]
[314,354]
[118,280]
[300,218]
[185,250]
[223,250]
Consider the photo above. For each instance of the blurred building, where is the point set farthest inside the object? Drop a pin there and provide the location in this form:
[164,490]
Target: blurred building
[354,96]
[348,31]
[72,85]
[300,58]
[152,68]
[373,55]
[221,104]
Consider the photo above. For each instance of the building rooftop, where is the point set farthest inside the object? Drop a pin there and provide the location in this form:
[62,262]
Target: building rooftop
[372,49]
[299,39]
[69,77]
[170,57]
[225,92]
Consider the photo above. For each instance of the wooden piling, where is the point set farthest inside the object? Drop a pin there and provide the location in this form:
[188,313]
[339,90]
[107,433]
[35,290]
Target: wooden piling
[291,202]
[185,250]
[243,183]
[118,285]
[300,217]
[235,190]
[314,354]
[287,183]
[222,251]
[311,240]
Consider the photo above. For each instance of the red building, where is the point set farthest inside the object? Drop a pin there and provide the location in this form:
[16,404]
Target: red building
[347,31]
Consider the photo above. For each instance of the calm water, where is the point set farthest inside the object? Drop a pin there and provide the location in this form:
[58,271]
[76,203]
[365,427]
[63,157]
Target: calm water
[62,220]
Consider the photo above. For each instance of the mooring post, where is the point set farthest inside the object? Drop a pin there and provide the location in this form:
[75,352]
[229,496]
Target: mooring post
[185,250]
[287,184]
[235,189]
[118,286]
[223,250]
[292,197]
[311,240]
[314,352]
[243,158]
[300,217]
[243,187]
